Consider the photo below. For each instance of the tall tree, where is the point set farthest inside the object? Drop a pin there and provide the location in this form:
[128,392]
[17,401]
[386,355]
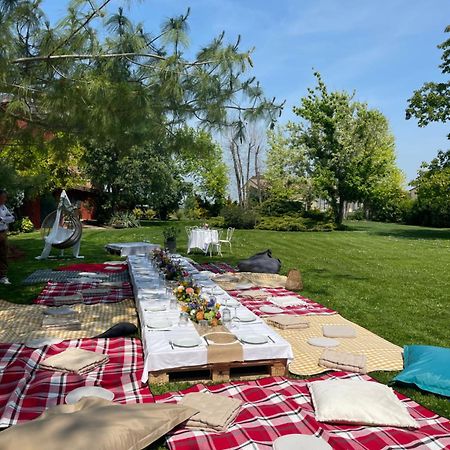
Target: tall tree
[349,146]
[431,103]
[110,80]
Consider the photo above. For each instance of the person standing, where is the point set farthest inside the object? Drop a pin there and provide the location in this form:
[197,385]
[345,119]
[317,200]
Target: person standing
[5,219]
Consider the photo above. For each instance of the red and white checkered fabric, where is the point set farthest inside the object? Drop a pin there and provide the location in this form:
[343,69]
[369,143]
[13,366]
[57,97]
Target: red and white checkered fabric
[92,267]
[254,304]
[274,407]
[55,289]
[26,391]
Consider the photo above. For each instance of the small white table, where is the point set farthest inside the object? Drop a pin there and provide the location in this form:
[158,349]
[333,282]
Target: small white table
[203,239]
[130,248]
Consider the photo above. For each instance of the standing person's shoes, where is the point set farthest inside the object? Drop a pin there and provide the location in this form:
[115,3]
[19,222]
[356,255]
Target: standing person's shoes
[4,280]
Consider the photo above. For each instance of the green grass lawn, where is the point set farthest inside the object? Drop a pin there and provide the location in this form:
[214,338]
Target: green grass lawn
[392,279]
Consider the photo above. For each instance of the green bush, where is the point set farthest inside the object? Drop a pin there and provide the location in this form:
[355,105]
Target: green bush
[289,223]
[318,215]
[237,217]
[124,219]
[138,213]
[150,214]
[216,222]
[356,215]
[281,207]
[26,225]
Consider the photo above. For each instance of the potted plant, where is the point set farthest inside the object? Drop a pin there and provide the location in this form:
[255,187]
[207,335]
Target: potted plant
[170,238]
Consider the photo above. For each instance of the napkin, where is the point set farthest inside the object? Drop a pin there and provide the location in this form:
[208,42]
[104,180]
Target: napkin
[215,412]
[74,360]
[256,294]
[287,300]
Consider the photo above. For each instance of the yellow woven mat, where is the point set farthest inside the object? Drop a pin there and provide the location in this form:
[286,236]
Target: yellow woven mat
[270,280]
[19,323]
[381,354]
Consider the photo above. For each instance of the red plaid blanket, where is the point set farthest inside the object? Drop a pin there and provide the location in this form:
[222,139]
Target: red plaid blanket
[55,289]
[219,267]
[26,391]
[274,407]
[91,267]
[254,304]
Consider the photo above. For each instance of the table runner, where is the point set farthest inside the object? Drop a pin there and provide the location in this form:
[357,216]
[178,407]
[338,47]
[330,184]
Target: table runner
[254,304]
[26,391]
[274,407]
[223,346]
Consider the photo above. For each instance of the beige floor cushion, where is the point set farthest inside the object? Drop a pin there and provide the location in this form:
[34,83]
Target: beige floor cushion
[358,402]
[96,424]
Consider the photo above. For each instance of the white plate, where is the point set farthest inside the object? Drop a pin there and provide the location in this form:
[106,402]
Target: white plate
[159,323]
[88,391]
[42,342]
[155,308]
[254,339]
[186,341]
[62,310]
[270,309]
[246,317]
[231,302]
[297,441]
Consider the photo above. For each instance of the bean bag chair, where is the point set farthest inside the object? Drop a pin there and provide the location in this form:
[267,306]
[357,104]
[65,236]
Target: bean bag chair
[121,329]
[262,262]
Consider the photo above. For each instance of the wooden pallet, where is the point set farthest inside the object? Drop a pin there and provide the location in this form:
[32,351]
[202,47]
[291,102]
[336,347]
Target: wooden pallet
[247,370]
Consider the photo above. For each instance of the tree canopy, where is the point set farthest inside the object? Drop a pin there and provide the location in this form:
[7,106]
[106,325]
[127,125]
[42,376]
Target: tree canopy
[431,103]
[350,148]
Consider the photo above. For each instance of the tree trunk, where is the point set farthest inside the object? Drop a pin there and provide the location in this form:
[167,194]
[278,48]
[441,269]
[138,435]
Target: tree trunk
[341,212]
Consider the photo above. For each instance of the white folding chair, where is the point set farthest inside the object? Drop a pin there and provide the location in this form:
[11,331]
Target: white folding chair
[230,232]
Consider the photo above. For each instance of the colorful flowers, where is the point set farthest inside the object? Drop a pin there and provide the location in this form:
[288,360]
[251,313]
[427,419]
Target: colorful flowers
[201,308]
[171,269]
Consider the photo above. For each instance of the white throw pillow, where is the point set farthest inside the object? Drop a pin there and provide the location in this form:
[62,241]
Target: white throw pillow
[358,402]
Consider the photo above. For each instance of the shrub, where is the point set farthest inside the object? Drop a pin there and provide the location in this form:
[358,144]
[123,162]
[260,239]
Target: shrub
[237,217]
[289,223]
[138,213]
[356,215]
[150,214]
[216,222]
[124,219]
[281,207]
[26,225]
[318,215]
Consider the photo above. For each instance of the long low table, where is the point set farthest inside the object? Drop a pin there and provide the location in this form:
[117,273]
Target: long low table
[161,356]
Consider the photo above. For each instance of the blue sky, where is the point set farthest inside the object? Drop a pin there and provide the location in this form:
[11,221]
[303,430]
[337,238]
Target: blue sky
[382,49]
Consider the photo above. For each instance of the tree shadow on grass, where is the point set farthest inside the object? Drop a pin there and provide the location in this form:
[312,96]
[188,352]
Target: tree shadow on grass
[325,273]
[403,231]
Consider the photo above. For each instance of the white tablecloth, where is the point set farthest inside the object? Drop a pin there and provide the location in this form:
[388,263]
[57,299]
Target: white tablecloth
[202,238]
[159,354]
[131,248]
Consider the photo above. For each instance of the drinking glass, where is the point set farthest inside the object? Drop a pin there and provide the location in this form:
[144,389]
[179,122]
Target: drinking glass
[184,318]
[173,302]
[226,317]
[203,326]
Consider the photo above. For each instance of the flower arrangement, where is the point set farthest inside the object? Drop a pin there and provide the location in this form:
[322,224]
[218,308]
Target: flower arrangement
[171,269]
[201,308]
[187,291]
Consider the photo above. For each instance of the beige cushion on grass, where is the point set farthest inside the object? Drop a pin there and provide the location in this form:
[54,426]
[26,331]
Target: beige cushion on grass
[96,424]
[74,360]
[358,402]
[338,331]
